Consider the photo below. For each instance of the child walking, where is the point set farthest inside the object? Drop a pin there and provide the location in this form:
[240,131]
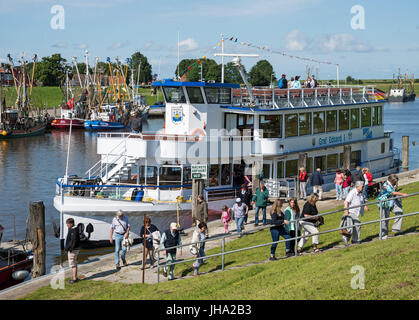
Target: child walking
[225,217]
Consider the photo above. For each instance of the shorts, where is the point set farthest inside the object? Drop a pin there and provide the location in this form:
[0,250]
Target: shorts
[72,258]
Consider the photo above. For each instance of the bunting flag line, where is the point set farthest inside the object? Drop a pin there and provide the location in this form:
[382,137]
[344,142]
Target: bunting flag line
[266,48]
[195,64]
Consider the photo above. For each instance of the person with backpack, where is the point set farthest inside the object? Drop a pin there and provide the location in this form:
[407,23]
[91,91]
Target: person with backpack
[260,199]
[170,238]
[72,247]
[389,190]
[283,82]
[302,181]
[197,247]
[225,217]
[119,231]
[148,229]
[278,228]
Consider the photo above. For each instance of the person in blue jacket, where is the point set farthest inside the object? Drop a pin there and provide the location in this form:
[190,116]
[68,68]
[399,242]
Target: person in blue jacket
[317,182]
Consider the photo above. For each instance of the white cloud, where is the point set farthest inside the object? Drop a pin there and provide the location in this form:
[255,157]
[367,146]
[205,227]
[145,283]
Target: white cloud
[296,41]
[119,45]
[188,45]
[81,46]
[60,45]
[344,42]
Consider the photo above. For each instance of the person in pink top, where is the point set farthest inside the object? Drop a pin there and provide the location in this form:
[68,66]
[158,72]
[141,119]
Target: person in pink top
[225,217]
[339,184]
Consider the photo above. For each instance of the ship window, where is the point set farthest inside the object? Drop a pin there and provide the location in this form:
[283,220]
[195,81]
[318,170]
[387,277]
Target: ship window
[380,115]
[383,147]
[225,174]
[305,123]
[266,170]
[320,162]
[195,94]
[291,168]
[214,172]
[332,162]
[343,119]
[318,121]
[174,94]
[170,176]
[218,95]
[354,118]
[187,176]
[341,157]
[309,164]
[291,125]
[355,159]
[148,176]
[376,115]
[271,126]
[331,120]
[245,122]
[280,169]
[366,117]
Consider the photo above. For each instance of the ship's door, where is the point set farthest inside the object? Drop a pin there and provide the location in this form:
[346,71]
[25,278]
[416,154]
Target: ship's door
[267,169]
[230,121]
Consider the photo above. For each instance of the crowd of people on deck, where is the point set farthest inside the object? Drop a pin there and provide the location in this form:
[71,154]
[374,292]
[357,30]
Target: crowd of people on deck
[295,82]
[351,187]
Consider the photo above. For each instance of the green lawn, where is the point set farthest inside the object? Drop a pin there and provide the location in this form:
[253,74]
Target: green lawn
[390,270]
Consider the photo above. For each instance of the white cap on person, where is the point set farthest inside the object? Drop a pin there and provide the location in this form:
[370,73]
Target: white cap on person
[173,226]
[238,200]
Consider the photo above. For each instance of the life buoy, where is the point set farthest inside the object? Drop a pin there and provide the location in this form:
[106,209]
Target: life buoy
[200,131]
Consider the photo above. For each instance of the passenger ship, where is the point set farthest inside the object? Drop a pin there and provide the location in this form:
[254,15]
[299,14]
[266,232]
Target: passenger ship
[231,130]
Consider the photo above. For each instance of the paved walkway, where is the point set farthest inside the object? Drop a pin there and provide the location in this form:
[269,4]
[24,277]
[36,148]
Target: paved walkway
[103,267]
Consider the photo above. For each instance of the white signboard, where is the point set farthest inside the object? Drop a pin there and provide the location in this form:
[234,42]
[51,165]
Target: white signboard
[199,171]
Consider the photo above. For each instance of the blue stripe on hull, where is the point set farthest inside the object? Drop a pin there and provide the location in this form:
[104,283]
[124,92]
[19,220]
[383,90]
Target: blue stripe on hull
[103,125]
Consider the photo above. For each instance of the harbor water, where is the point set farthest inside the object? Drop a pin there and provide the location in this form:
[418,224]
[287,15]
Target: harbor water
[29,168]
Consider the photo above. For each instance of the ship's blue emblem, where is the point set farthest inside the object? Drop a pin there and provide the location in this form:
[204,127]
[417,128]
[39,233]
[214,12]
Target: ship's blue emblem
[177,115]
[367,132]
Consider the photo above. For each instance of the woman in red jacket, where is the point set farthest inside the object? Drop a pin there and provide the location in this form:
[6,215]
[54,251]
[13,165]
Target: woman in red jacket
[368,182]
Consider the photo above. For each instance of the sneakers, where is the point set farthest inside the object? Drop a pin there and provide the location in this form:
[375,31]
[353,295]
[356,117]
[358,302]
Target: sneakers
[124,262]
[272,258]
[118,267]
[345,241]
[165,274]
[71,281]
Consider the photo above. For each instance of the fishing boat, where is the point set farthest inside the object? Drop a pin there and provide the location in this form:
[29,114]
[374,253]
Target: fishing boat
[20,121]
[234,133]
[15,264]
[402,92]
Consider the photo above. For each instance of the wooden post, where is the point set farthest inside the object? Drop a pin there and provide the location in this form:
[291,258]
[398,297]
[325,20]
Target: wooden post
[37,237]
[197,188]
[256,170]
[405,153]
[347,150]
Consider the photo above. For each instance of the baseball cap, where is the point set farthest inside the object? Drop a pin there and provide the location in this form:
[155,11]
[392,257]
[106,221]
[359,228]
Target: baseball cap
[173,225]
[238,200]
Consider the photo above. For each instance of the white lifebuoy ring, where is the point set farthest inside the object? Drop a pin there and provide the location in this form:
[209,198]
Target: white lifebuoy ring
[200,131]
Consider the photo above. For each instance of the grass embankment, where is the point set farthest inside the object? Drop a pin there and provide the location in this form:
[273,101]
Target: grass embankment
[390,270]
[48,97]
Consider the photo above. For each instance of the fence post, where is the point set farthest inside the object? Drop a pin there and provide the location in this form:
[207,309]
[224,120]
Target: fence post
[223,257]
[158,266]
[297,227]
[381,221]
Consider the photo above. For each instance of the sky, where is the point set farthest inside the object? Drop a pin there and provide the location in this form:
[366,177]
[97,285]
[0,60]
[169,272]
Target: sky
[367,38]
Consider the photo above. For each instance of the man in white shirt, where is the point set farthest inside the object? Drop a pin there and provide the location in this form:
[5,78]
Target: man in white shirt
[355,198]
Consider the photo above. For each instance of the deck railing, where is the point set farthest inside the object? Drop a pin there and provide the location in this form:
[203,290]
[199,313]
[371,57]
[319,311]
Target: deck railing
[223,238]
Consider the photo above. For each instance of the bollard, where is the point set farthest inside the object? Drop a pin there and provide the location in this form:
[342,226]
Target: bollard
[405,153]
[37,237]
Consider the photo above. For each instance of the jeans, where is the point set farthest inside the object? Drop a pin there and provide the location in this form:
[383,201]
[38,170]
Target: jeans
[275,233]
[239,224]
[118,246]
[303,189]
[365,192]
[345,192]
[199,261]
[263,214]
[339,191]
[318,190]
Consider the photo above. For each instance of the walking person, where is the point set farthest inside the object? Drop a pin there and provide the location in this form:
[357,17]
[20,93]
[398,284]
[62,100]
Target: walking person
[197,247]
[302,180]
[317,182]
[278,228]
[72,247]
[307,225]
[260,199]
[246,197]
[149,247]
[170,238]
[119,231]
[339,178]
[201,211]
[225,217]
[357,175]
[388,190]
[239,211]
[355,198]
[347,183]
[368,182]
[292,213]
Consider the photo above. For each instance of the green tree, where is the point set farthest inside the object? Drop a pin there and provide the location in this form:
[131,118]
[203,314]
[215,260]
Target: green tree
[349,79]
[145,71]
[192,69]
[260,74]
[214,73]
[50,71]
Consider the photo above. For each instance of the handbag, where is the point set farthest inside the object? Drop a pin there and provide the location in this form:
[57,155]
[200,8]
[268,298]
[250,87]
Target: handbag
[319,222]
[345,223]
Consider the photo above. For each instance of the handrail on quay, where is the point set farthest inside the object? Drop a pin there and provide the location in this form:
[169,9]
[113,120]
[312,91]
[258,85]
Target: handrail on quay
[297,221]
